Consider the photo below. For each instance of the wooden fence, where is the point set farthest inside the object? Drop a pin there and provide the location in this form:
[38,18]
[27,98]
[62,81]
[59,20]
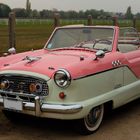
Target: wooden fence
[56,22]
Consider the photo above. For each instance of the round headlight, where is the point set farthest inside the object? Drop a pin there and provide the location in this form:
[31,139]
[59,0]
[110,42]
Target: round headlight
[62,78]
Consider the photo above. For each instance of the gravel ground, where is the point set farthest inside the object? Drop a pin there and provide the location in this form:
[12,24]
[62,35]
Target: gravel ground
[121,124]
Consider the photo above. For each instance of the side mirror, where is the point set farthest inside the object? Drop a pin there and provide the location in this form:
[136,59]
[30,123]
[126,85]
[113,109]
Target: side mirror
[12,51]
[99,54]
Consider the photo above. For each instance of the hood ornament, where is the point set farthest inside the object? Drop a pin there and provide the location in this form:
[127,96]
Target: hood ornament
[31,59]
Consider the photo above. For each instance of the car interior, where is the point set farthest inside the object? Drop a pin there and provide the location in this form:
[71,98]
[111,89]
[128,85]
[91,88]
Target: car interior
[128,40]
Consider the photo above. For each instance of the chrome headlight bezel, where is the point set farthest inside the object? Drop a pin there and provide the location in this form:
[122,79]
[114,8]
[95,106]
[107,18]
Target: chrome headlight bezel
[62,78]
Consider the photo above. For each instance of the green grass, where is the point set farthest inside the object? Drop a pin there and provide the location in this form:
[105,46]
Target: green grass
[3,38]
[27,36]
[33,34]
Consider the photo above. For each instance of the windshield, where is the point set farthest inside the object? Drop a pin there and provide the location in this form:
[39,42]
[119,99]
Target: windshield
[86,37]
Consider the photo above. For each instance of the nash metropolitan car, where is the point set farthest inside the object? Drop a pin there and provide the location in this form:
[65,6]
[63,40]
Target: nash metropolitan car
[80,71]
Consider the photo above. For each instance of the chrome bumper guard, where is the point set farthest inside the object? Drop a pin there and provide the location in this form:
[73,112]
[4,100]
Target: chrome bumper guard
[39,107]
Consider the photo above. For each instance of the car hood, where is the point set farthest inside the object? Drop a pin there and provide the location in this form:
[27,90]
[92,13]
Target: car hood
[48,62]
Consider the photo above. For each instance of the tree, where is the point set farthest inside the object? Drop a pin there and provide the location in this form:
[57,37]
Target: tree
[4,10]
[81,14]
[20,12]
[129,14]
[28,8]
[45,14]
[35,14]
[137,15]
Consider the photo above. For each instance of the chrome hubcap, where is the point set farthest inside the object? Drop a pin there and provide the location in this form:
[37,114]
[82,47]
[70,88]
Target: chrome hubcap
[94,118]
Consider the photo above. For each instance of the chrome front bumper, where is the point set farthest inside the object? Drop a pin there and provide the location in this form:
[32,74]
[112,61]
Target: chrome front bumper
[38,108]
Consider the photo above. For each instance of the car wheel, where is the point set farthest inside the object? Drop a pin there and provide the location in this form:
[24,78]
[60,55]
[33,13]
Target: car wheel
[92,121]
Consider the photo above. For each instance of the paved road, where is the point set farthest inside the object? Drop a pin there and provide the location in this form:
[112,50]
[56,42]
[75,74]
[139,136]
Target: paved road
[121,124]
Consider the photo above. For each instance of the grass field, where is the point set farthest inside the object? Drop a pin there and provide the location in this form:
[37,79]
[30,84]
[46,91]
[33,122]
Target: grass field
[32,34]
[27,36]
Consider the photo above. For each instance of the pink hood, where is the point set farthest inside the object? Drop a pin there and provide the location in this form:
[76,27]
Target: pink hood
[49,61]
[79,62]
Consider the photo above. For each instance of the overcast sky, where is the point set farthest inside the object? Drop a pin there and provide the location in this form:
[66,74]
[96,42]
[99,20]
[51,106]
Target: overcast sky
[107,5]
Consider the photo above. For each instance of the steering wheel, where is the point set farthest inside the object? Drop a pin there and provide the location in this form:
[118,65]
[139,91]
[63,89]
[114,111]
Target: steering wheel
[103,41]
[81,44]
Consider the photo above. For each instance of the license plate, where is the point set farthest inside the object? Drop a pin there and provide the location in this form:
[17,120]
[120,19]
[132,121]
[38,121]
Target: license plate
[13,104]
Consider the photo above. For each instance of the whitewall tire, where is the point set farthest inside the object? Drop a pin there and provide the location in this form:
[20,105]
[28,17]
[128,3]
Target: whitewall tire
[92,121]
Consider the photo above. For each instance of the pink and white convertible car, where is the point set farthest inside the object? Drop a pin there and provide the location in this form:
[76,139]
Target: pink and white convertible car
[80,72]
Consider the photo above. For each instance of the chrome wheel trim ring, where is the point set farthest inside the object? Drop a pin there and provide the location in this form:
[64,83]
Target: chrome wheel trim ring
[94,118]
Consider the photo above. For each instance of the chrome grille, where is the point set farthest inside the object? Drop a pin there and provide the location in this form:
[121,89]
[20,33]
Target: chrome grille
[20,84]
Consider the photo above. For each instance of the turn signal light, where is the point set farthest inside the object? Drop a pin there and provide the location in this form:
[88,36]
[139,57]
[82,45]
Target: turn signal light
[62,95]
[4,84]
[32,87]
[35,87]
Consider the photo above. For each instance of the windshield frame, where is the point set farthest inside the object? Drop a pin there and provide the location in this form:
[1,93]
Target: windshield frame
[80,27]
